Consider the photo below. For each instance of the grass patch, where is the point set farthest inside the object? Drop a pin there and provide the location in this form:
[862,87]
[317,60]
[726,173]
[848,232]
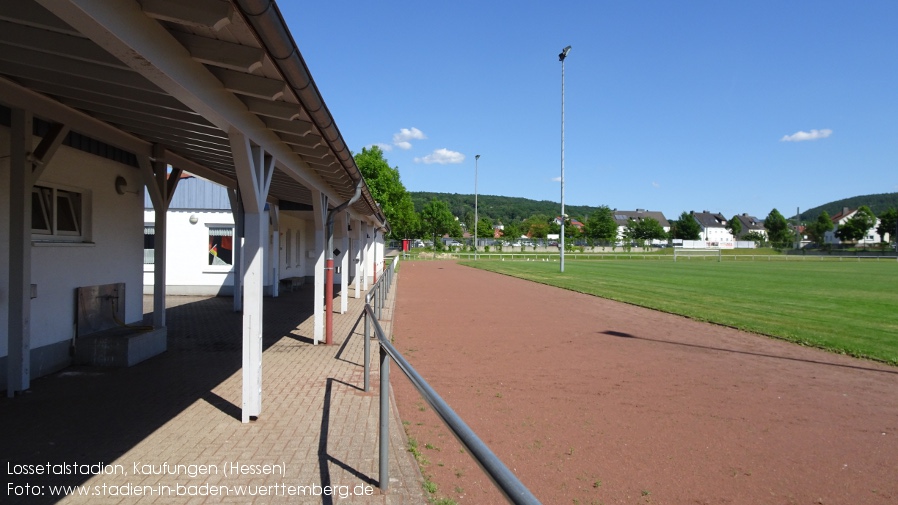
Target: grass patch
[844,306]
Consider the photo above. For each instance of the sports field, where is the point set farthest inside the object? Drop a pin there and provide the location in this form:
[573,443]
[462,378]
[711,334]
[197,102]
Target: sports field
[849,307]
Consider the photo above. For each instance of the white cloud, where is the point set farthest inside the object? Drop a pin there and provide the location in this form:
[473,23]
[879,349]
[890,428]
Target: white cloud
[401,139]
[801,136]
[442,156]
[556,179]
[655,184]
[383,147]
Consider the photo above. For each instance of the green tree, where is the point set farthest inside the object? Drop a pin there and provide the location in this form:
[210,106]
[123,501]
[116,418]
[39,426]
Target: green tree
[387,189]
[857,226]
[648,229]
[888,223]
[437,220]
[469,221]
[687,228]
[778,230]
[601,226]
[755,237]
[485,228]
[537,226]
[512,231]
[735,226]
[817,230]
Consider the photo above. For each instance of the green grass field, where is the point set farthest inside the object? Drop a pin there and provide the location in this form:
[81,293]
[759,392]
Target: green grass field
[848,307]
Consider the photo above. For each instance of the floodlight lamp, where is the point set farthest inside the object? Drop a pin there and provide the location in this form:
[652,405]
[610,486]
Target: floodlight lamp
[476,157]
[564,52]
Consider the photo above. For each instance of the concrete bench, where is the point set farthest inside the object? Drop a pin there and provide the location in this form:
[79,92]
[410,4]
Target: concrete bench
[293,283]
[120,347]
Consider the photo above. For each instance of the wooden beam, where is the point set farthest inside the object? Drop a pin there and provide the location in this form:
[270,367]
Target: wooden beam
[295,127]
[249,85]
[220,53]
[46,149]
[213,14]
[281,110]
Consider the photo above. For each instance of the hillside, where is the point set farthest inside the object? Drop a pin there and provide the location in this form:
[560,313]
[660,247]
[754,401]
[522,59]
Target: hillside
[877,203]
[501,208]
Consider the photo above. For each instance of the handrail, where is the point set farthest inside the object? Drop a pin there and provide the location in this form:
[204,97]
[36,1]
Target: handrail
[510,486]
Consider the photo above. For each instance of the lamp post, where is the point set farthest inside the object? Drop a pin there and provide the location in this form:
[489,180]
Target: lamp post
[476,158]
[561,58]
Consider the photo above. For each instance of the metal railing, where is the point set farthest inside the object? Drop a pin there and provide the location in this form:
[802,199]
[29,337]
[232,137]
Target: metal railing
[503,478]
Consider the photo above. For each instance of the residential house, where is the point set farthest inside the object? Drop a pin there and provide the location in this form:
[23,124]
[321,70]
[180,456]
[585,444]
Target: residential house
[750,224]
[622,217]
[870,238]
[714,229]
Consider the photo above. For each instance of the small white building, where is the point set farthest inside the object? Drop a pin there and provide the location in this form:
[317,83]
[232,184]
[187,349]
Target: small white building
[869,238]
[201,232]
[714,229]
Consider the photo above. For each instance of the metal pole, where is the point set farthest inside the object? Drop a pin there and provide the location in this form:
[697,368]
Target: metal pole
[476,218]
[384,433]
[561,57]
[367,348]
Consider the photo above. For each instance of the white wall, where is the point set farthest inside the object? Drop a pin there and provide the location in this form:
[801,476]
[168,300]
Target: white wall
[114,253]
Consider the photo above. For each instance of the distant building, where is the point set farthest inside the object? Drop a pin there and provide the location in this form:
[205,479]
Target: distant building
[714,227]
[622,217]
[870,238]
[750,224]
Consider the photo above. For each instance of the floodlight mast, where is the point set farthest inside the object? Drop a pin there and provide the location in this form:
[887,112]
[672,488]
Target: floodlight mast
[561,58]
[476,158]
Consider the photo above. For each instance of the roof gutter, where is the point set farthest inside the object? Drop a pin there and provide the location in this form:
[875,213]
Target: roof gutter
[266,20]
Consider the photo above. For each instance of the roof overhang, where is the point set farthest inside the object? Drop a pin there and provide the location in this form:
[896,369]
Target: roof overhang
[180,76]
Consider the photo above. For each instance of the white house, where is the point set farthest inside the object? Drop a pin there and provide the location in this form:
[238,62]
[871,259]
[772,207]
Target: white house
[623,217]
[99,100]
[714,229]
[870,238]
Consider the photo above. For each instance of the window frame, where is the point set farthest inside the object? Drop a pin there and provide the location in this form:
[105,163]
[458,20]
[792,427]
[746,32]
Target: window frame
[53,199]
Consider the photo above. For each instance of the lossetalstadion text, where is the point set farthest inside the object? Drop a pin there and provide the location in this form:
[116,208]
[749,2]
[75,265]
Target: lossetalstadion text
[227,469]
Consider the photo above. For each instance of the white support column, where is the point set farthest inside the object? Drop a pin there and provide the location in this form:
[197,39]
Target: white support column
[254,170]
[237,267]
[357,257]
[19,295]
[275,252]
[319,210]
[343,220]
[366,255]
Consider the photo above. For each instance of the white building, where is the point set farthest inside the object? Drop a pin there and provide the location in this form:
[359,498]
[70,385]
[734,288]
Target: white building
[714,229]
[97,101]
[201,232]
[869,238]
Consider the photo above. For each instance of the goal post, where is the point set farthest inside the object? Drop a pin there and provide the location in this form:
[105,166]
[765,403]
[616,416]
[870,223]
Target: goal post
[701,252]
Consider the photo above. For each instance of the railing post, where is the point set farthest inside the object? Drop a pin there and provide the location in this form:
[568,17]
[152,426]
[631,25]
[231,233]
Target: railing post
[384,459]
[367,349]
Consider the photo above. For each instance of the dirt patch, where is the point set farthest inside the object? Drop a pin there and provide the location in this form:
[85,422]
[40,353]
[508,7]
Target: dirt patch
[590,401]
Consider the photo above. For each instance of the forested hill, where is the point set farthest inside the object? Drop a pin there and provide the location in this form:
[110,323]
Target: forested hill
[877,203]
[501,208]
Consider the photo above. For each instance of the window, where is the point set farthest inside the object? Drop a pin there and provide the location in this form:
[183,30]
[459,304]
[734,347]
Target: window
[56,212]
[221,245]
[149,244]
[288,245]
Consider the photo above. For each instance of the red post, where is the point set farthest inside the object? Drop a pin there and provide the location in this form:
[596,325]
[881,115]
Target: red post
[329,301]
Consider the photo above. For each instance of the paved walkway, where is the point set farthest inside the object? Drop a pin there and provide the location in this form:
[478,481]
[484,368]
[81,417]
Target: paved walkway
[171,425]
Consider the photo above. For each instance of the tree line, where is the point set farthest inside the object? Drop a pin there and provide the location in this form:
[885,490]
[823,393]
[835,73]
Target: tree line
[443,214]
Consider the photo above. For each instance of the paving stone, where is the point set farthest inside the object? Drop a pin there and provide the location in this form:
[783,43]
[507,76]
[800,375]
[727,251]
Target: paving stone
[183,408]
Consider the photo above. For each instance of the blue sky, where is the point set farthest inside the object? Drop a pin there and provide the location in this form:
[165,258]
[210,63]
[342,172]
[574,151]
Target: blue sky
[729,106]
